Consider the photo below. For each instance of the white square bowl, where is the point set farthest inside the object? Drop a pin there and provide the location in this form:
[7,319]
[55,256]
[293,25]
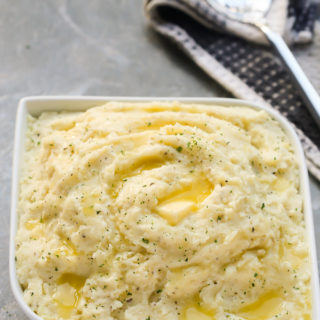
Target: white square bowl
[37,105]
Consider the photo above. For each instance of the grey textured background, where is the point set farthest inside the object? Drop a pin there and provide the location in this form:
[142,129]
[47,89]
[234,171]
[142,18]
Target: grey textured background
[96,47]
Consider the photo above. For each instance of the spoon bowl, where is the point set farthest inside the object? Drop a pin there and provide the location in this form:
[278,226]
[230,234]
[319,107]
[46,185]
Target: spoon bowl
[253,12]
[243,10]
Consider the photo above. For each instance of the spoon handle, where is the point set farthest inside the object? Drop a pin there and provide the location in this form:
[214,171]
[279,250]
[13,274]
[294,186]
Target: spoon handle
[308,92]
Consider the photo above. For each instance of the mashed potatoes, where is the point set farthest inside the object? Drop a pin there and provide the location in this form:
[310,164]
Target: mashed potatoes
[162,211]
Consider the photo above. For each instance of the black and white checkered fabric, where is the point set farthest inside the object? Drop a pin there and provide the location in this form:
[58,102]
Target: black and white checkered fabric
[247,69]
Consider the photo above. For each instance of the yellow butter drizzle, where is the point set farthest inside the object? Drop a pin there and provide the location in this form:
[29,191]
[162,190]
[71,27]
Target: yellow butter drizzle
[68,293]
[88,203]
[37,228]
[143,164]
[195,310]
[67,248]
[30,225]
[197,313]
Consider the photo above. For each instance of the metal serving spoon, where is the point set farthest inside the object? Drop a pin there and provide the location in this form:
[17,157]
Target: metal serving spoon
[253,12]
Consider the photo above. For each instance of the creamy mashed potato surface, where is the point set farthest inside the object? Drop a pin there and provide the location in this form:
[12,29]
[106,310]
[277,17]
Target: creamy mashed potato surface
[162,211]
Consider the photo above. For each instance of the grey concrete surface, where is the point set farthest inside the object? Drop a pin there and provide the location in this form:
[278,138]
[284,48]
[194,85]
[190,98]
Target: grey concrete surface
[96,47]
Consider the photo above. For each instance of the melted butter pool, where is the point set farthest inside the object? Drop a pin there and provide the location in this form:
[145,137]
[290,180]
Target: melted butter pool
[176,206]
[68,293]
[266,307]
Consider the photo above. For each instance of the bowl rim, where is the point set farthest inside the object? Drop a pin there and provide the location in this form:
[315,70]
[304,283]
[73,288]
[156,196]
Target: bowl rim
[37,104]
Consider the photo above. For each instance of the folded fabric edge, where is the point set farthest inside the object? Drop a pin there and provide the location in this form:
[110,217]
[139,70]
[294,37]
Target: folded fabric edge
[207,16]
[230,82]
[280,19]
